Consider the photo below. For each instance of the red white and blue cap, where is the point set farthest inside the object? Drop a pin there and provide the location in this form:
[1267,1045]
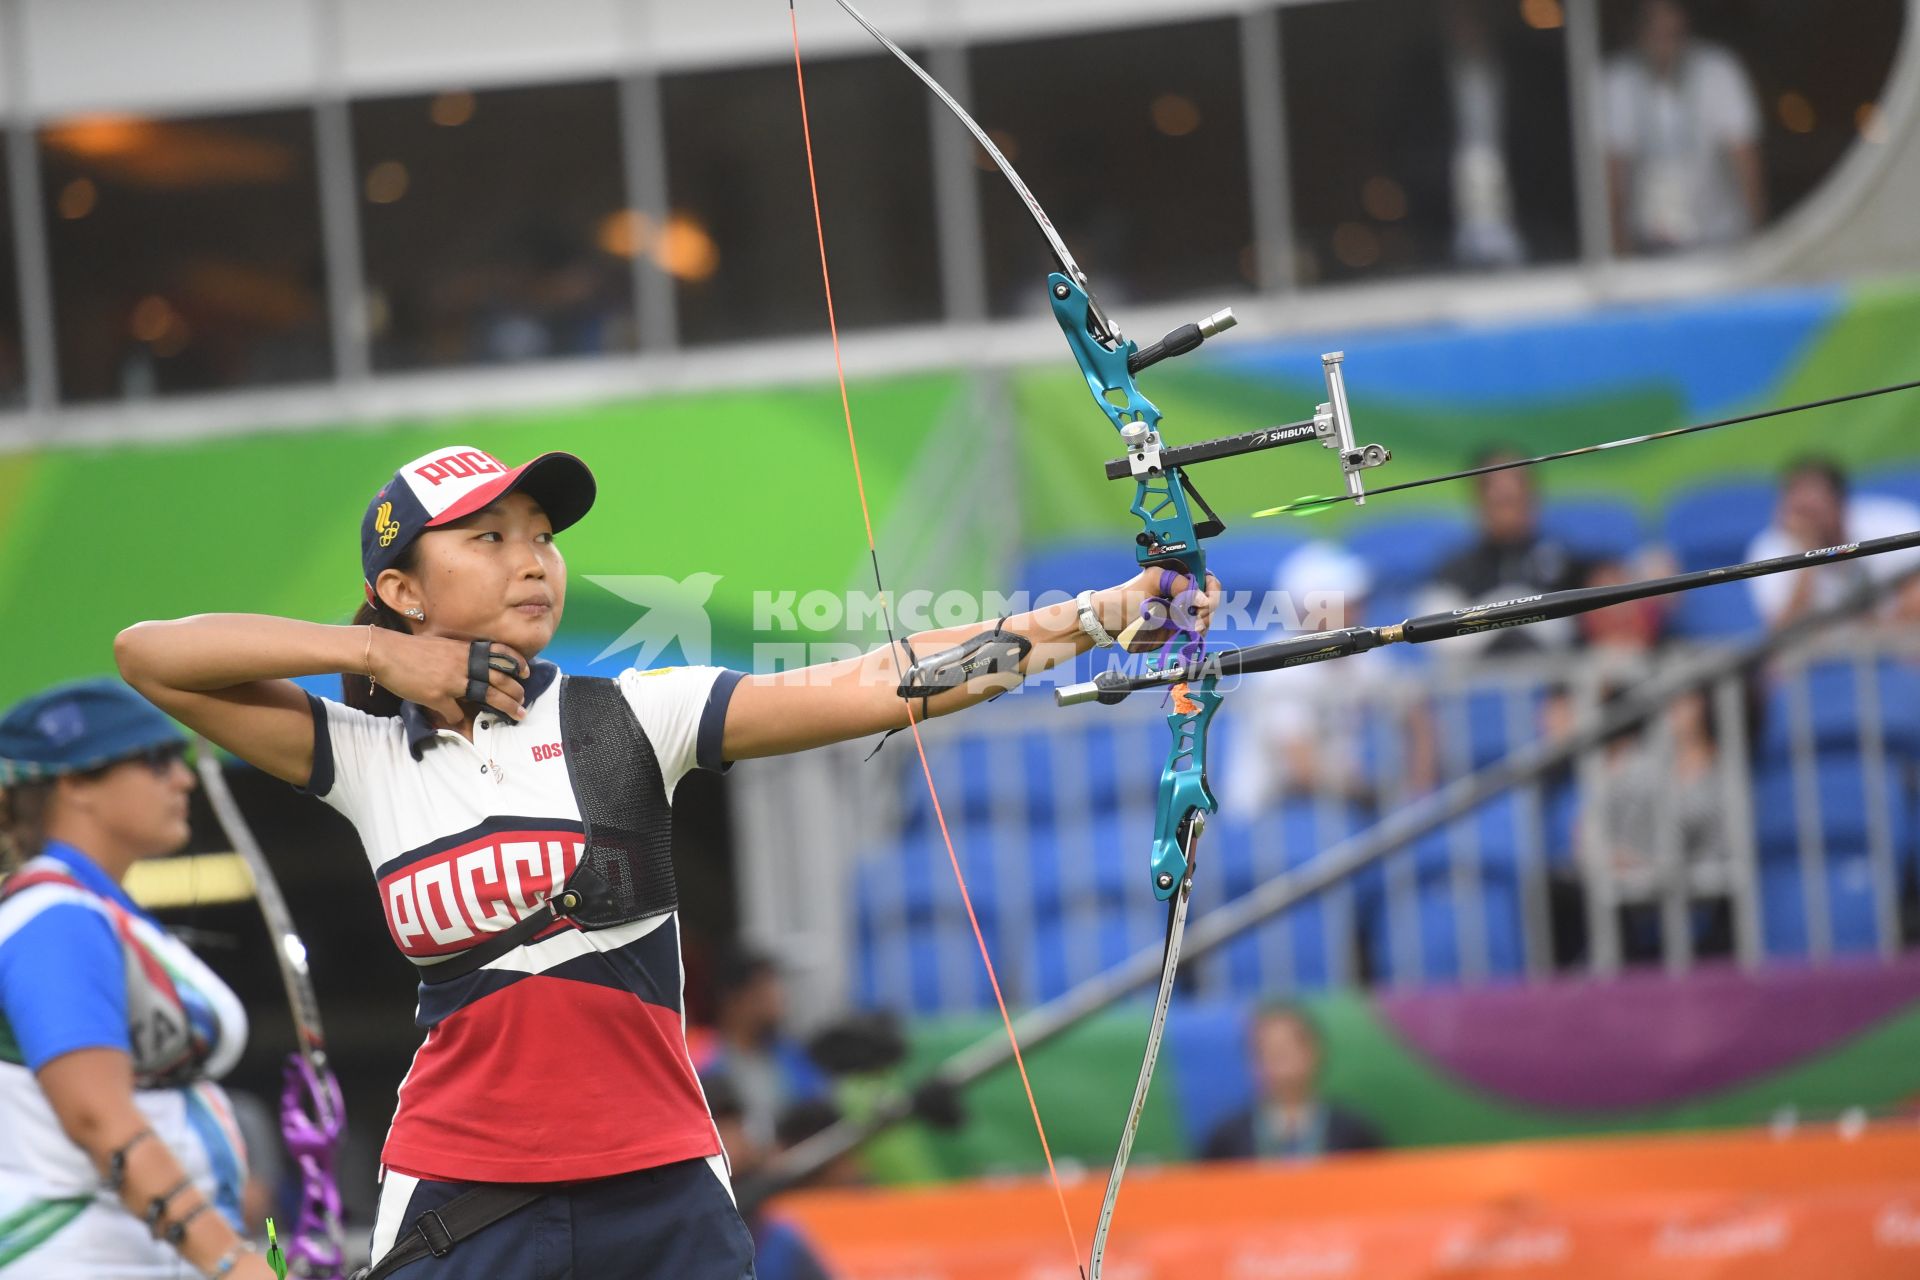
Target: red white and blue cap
[456,481]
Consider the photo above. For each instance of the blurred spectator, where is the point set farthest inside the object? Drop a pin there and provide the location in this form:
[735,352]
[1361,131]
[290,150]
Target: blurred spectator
[1289,1120]
[1682,131]
[1816,510]
[767,1068]
[1661,829]
[780,1250]
[1509,560]
[1637,626]
[804,1120]
[1307,736]
[1481,137]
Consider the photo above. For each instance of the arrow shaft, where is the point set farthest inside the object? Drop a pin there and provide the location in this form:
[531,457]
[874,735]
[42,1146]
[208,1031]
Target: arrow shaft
[1512,464]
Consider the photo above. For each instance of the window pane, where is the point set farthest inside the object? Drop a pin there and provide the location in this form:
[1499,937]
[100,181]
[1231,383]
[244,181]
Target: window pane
[737,181]
[185,253]
[1722,116]
[1135,143]
[1428,137]
[494,225]
[13,376]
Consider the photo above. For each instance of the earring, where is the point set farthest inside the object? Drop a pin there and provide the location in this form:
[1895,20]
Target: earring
[417,615]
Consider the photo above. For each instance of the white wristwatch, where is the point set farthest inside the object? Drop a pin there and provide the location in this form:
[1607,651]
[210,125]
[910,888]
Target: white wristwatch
[1090,622]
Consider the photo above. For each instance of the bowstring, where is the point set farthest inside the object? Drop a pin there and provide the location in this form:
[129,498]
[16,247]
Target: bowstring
[894,648]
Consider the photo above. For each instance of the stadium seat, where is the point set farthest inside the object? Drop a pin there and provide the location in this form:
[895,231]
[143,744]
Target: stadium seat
[1249,559]
[1714,524]
[1305,948]
[1594,528]
[1437,919]
[1483,725]
[925,966]
[1841,790]
[1406,551]
[1725,612]
[1852,923]
[1835,719]
[1069,567]
[1903,484]
[1840,779]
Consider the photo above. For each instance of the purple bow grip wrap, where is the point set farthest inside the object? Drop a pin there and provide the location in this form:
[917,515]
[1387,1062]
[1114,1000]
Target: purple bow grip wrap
[1179,610]
[312,1119]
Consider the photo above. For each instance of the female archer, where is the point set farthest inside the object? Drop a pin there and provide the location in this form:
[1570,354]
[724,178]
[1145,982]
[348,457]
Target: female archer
[516,823]
[119,1156]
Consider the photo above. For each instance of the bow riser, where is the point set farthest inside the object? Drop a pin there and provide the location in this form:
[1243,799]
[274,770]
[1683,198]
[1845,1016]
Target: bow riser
[1185,797]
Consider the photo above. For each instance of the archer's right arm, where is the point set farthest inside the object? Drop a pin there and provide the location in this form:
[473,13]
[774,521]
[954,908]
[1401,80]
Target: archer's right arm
[229,676]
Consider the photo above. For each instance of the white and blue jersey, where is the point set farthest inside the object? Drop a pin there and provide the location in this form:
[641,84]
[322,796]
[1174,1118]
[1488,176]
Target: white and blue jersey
[83,967]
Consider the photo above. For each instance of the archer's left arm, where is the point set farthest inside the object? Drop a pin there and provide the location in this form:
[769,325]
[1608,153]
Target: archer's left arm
[815,706]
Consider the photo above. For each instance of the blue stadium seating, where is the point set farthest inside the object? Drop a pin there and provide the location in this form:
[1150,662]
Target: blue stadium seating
[1060,903]
[1725,612]
[1407,550]
[1833,696]
[1484,726]
[1840,783]
[1904,484]
[1784,910]
[1594,528]
[1300,945]
[1713,525]
[1442,960]
[1840,780]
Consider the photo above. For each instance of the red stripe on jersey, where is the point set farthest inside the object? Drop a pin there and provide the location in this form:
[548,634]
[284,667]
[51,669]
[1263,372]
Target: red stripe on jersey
[550,1066]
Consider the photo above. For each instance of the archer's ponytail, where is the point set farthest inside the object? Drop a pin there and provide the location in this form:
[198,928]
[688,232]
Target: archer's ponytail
[354,692]
[23,823]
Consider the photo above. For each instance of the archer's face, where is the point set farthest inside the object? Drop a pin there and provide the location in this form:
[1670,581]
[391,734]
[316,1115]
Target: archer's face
[141,805]
[495,575]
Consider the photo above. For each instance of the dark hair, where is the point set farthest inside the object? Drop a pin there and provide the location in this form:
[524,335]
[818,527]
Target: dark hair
[378,701]
[723,1096]
[741,967]
[1284,1011]
[804,1119]
[23,822]
[1492,455]
[1813,466]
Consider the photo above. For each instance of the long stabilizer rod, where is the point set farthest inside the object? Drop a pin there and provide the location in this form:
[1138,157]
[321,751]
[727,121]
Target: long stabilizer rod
[1324,646]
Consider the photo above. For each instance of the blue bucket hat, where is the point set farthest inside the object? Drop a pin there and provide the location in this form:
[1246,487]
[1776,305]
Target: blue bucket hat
[72,728]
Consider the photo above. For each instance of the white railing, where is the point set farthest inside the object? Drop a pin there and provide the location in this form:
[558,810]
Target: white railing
[1795,838]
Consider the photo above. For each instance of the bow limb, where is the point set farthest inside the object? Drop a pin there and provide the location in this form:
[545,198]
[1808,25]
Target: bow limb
[1061,253]
[312,1117]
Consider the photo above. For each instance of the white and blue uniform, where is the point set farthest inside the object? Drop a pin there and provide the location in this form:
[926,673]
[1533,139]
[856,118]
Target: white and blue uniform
[564,1061]
[83,967]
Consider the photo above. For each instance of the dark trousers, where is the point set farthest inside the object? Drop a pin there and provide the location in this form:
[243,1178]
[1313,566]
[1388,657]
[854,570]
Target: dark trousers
[676,1222]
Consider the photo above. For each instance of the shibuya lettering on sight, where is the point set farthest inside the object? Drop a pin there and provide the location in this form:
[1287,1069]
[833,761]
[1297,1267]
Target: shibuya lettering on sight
[438,903]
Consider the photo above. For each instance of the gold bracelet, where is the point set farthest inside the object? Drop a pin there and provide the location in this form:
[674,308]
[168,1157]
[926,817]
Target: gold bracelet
[368,662]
